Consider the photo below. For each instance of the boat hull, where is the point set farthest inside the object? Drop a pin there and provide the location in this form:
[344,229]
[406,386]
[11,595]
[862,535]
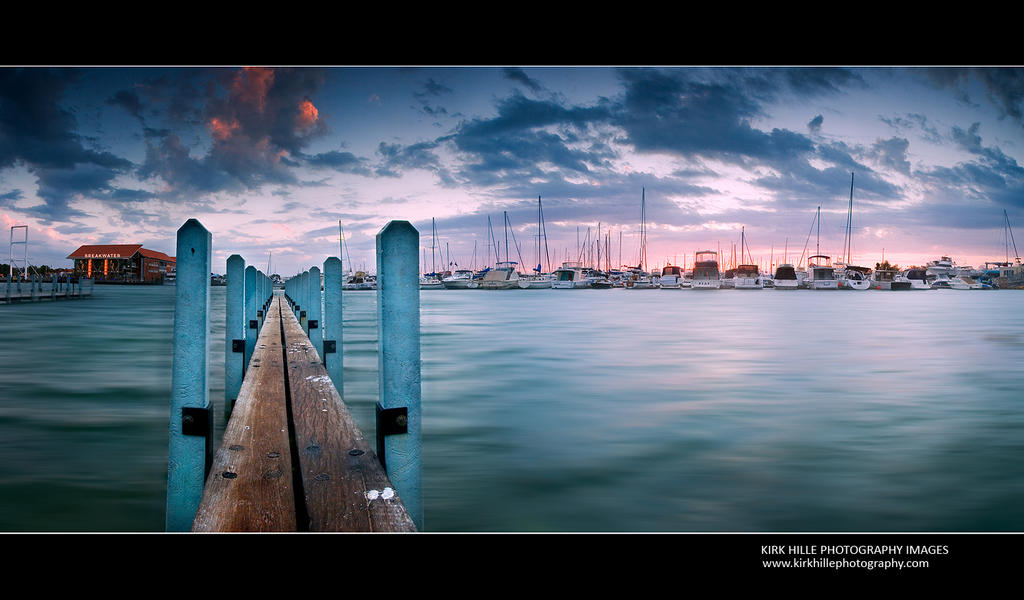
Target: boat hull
[706,284]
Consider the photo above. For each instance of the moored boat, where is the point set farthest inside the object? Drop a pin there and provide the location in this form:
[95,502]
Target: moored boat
[786,277]
[671,277]
[705,271]
[916,277]
[855,278]
[820,274]
[569,276]
[502,277]
[747,277]
[459,280]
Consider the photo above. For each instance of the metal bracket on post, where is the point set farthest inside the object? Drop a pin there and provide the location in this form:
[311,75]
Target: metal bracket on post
[313,323]
[253,324]
[390,421]
[238,345]
[197,421]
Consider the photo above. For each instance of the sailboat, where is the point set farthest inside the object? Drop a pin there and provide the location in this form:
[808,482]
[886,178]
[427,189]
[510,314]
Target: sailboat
[638,278]
[504,275]
[852,277]
[353,281]
[432,281]
[539,279]
[747,276]
[820,272]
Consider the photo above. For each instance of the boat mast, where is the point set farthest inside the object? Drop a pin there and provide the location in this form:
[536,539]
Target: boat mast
[848,247]
[538,234]
[491,240]
[544,226]
[817,242]
[1009,231]
[643,230]
[433,245]
[344,250]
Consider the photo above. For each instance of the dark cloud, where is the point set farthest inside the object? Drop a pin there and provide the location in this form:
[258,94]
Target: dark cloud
[37,132]
[345,162]
[670,113]
[915,122]
[8,199]
[397,158]
[1003,86]
[258,122]
[892,153]
[814,125]
[520,76]
[128,100]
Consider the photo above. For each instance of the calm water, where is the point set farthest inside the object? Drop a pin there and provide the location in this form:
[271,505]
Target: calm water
[578,410]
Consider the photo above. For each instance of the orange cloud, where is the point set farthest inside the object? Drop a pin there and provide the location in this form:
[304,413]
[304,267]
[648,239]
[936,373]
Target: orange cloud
[308,114]
[222,130]
[251,85]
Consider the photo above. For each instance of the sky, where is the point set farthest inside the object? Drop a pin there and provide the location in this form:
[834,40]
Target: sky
[272,159]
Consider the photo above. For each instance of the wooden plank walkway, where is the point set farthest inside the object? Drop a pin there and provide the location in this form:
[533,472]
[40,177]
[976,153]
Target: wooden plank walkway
[292,457]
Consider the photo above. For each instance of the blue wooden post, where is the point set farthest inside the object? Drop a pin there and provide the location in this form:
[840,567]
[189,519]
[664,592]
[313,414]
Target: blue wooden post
[234,332]
[304,301]
[314,321]
[189,444]
[332,348]
[399,442]
[251,306]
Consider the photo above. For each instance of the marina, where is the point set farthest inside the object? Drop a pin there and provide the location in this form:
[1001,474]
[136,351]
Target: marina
[922,413]
[463,358]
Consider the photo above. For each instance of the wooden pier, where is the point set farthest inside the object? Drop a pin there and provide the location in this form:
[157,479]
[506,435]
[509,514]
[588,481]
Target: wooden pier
[292,458]
[34,289]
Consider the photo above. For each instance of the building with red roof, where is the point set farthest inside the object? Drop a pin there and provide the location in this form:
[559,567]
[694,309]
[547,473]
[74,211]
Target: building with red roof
[122,263]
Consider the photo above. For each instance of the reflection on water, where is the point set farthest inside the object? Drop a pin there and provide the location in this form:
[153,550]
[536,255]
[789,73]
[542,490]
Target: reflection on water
[578,410]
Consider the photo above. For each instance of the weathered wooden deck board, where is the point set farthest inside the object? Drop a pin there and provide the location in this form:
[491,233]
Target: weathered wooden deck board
[250,486]
[345,486]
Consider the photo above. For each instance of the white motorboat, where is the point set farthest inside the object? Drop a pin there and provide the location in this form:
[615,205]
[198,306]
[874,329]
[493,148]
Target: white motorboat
[431,282]
[942,266]
[502,277]
[729,279]
[855,278]
[705,271]
[569,276]
[747,277]
[786,277]
[916,278]
[820,274]
[459,280]
[539,281]
[883,279]
[671,277]
[963,282]
[637,279]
